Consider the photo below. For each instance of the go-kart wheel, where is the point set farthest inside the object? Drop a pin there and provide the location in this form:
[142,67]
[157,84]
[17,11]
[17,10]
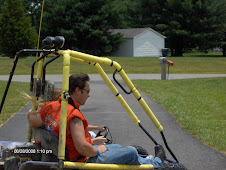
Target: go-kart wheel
[171,166]
[48,91]
[38,87]
[11,163]
[140,150]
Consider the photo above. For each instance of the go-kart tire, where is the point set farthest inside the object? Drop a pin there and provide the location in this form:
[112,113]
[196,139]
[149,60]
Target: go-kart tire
[48,91]
[171,166]
[11,163]
[140,150]
[38,87]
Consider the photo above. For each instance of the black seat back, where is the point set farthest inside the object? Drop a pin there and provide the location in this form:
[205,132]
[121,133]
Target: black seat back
[49,144]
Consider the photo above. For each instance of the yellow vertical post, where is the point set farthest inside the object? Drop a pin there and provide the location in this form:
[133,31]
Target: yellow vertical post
[39,75]
[34,107]
[64,102]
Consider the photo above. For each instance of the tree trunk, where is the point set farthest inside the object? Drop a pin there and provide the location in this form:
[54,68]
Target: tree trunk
[224,46]
[178,47]
[171,51]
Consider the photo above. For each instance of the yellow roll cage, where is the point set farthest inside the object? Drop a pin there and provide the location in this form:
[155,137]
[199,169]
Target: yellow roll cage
[95,61]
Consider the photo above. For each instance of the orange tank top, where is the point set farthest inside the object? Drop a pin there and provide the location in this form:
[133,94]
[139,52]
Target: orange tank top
[50,115]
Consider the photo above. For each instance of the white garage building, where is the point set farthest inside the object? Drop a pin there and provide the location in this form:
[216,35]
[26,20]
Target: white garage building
[140,42]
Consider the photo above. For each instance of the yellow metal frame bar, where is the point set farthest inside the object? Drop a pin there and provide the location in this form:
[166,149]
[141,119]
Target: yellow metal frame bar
[69,55]
[78,165]
[64,103]
[34,107]
[107,61]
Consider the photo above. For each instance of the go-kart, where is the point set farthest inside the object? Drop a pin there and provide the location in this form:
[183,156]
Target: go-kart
[47,151]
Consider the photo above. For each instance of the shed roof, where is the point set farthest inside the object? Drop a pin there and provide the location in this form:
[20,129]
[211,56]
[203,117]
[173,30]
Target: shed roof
[133,32]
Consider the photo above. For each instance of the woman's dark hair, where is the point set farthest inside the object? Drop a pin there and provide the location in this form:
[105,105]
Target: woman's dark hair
[77,80]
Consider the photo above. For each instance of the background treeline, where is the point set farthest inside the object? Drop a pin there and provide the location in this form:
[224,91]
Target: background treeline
[86,24]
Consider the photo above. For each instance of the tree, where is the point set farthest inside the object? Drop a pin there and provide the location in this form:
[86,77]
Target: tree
[126,11]
[85,24]
[33,9]
[187,24]
[16,31]
[222,44]
[219,9]
[1,3]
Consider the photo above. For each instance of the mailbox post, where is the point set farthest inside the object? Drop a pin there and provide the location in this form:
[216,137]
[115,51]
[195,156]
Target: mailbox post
[162,62]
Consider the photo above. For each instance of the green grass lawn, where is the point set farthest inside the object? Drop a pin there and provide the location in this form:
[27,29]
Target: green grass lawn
[14,102]
[199,105]
[135,65]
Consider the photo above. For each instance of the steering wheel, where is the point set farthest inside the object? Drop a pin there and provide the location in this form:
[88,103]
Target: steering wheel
[109,141]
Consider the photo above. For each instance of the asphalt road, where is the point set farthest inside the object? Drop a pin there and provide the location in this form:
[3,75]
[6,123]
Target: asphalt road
[103,108]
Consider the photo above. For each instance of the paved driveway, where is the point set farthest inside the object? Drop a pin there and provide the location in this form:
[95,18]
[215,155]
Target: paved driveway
[103,108]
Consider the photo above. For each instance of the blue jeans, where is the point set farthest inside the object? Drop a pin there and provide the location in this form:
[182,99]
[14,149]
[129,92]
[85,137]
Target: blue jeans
[117,154]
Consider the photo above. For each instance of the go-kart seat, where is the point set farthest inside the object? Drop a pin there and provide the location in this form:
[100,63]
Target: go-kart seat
[49,145]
